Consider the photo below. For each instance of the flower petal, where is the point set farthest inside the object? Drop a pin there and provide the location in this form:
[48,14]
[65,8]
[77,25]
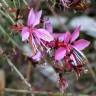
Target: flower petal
[37,57]
[81,44]
[44,35]
[37,18]
[75,34]
[67,36]
[60,53]
[57,35]
[48,25]
[31,17]
[62,36]
[25,33]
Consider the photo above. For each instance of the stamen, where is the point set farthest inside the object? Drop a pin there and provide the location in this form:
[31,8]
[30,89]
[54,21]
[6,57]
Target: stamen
[77,57]
[84,59]
[34,44]
[74,60]
[37,40]
[44,45]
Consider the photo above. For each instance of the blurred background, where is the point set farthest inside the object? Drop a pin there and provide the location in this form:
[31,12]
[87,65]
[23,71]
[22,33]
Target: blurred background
[43,78]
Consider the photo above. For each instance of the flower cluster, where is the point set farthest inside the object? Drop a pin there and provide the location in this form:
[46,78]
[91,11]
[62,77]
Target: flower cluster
[66,48]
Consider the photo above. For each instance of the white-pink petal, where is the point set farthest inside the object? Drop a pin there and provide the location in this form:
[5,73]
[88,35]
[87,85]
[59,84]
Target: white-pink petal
[60,53]
[81,44]
[48,26]
[67,37]
[25,33]
[31,18]
[37,57]
[57,35]
[37,18]
[75,34]
[44,35]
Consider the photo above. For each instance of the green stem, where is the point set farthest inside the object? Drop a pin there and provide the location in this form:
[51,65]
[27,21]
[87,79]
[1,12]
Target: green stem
[20,75]
[10,39]
[7,16]
[5,3]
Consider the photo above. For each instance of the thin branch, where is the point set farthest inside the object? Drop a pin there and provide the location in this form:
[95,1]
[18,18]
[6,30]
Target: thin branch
[16,90]
[29,71]
[39,92]
[25,2]
[10,39]
[20,75]
[6,4]
[7,16]
[91,72]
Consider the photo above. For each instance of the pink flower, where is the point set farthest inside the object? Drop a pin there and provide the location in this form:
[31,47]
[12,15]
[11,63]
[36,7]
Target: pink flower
[33,34]
[70,49]
[67,42]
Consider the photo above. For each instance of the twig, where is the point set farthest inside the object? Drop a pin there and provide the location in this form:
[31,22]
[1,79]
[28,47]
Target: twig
[5,3]
[24,91]
[20,75]
[7,16]
[39,92]
[91,72]
[16,90]
[29,70]
[11,40]
[25,2]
